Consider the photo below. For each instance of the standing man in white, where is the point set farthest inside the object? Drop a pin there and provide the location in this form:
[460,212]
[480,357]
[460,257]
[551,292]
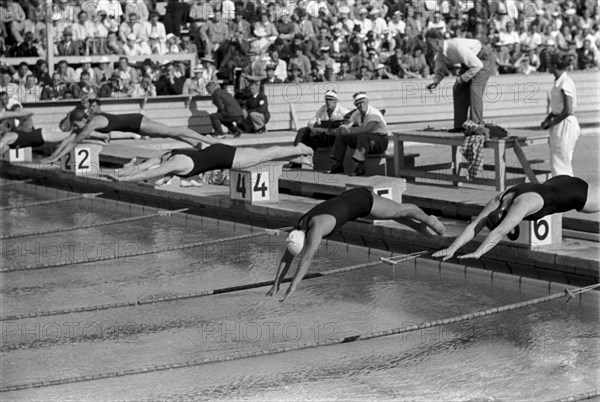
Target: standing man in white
[563,125]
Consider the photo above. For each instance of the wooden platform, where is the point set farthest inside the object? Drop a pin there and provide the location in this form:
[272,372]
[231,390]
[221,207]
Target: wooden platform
[450,169]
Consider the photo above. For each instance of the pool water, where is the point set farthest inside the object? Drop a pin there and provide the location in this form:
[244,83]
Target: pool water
[541,352]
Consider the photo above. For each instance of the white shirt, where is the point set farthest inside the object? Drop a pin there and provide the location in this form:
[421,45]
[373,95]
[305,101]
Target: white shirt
[81,32]
[338,114]
[281,70]
[396,27]
[566,84]
[371,115]
[379,25]
[508,38]
[158,29]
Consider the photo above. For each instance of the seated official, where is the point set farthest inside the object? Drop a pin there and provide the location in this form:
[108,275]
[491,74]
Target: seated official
[229,112]
[366,132]
[255,110]
[328,116]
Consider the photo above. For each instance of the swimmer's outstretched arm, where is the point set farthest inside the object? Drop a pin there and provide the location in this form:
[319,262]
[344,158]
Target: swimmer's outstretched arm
[60,150]
[313,239]
[15,115]
[517,211]
[71,141]
[470,231]
[282,270]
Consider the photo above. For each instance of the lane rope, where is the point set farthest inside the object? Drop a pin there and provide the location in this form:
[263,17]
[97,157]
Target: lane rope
[39,203]
[93,225]
[229,289]
[297,347]
[137,254]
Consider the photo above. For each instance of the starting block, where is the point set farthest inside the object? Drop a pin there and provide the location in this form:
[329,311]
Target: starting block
[544,232]
[386,187]
[259,183]
[83,160]
[18,155]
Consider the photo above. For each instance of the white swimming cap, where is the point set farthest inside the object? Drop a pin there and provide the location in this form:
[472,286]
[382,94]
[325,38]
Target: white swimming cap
[295,242]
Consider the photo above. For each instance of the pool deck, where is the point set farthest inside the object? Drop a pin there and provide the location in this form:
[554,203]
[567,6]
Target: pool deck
[576,261]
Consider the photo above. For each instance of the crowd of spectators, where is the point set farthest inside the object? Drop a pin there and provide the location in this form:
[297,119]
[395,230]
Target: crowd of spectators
[274,41]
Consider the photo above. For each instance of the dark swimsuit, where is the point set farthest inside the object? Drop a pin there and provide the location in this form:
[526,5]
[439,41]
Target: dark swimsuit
[347,206]
[129,123]
[216,156]
[560,194]
[28,139]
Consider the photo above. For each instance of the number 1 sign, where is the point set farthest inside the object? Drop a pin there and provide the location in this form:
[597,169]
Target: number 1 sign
[18,155]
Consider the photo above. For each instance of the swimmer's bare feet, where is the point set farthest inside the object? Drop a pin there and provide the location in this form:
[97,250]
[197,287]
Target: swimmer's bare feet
[274,289]
[305,149]
[303,160]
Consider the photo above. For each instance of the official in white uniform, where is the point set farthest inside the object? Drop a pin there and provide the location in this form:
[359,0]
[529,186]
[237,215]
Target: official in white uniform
[563,125]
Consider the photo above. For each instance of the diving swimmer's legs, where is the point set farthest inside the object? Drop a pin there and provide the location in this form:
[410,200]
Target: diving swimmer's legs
[407,214]
[153,128]
[247,157]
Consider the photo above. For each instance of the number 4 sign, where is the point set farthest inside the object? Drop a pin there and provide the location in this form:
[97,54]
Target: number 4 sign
[254,185]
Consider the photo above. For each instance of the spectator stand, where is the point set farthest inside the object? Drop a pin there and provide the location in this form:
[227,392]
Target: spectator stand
[71,60]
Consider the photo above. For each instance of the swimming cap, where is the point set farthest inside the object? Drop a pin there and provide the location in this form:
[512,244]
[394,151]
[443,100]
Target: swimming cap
[295,242]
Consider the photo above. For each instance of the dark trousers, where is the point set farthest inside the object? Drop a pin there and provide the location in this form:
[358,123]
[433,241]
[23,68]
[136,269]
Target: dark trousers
[363,144]
[316,140]
[470,94]
[217,119]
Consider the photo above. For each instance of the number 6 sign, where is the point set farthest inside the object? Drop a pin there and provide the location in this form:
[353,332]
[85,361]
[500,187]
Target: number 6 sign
[545,231]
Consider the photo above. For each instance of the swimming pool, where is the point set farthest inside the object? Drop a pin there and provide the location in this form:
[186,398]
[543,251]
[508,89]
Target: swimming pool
[541,352]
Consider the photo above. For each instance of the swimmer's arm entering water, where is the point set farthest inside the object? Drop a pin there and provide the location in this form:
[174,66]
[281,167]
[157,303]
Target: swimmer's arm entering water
[314,236]
[282,270]
[517,211]
[470,231]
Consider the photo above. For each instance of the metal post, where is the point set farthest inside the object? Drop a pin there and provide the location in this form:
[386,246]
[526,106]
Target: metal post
[49,42]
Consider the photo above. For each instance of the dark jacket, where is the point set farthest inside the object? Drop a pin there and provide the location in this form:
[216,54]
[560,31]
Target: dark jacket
[259,104]
[226,103]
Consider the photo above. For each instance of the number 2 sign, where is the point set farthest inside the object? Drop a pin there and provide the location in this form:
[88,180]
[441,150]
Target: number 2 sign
[81,160]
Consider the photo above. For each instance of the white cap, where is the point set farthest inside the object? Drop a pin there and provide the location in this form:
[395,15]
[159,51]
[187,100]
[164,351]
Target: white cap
[331,94]
[295,242]
[359,96]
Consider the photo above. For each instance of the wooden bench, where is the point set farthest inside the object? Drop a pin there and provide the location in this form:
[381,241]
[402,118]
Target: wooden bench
[518,139]
[376,164]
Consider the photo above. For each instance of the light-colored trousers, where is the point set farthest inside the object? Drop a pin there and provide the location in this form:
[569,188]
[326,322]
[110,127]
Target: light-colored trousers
[563,137]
